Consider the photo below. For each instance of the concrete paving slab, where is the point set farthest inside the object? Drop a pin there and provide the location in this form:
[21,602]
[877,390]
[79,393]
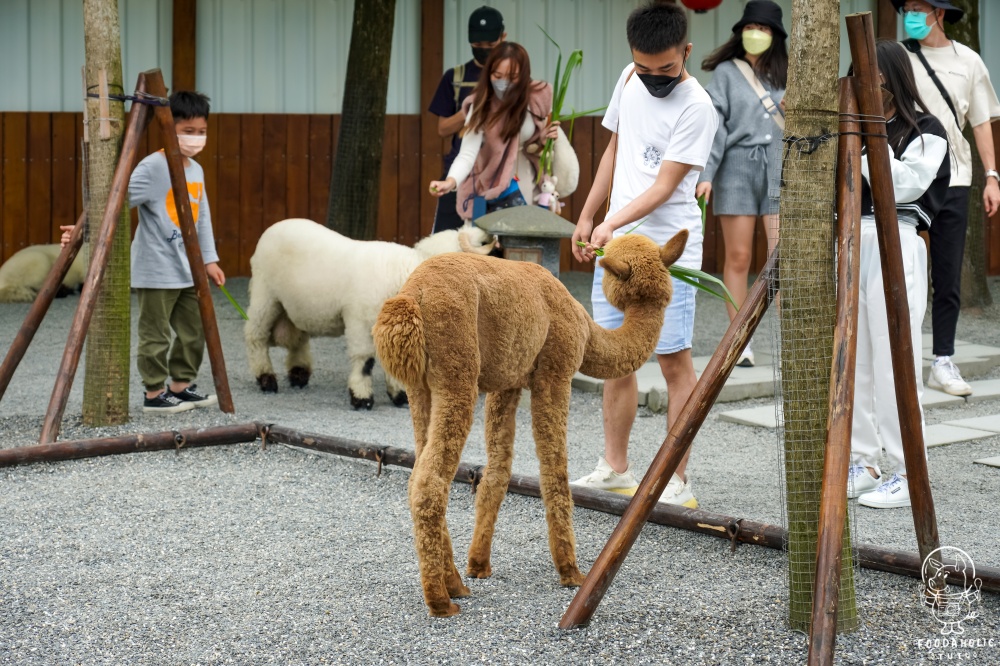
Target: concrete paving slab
[943,433]
[984,389]
[759,417]
[992,462]
[990,423]
[933,398]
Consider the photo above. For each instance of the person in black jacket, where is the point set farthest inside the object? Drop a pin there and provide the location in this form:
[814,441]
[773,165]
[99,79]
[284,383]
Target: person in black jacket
[920,174]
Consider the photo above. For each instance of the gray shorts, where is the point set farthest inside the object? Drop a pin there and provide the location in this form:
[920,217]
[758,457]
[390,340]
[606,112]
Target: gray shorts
[743,182]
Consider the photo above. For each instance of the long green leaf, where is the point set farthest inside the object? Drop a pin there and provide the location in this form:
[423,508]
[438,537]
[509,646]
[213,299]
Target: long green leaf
[233,301]
[555,81]
[578,114]
[701,205]
[699,279]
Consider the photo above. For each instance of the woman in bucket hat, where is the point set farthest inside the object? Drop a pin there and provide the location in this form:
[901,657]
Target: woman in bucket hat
[747,89]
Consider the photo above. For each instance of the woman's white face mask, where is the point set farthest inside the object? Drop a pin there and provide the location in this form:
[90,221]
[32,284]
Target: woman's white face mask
[191,144]
[500,86]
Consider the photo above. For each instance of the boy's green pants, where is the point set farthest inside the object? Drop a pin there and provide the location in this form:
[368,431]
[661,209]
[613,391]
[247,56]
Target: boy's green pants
[161,310]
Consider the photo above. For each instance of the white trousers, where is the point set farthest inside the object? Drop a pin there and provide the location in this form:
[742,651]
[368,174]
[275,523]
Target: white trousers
[876,421]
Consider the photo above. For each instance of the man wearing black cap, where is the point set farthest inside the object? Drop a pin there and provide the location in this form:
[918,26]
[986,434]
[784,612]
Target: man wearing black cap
[486,30]
[954,84]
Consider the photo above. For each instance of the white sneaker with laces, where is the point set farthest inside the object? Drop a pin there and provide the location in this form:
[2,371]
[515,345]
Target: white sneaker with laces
[679,493]
[946,377]
[860,481]
[892,494]
[604,477]
[746,359]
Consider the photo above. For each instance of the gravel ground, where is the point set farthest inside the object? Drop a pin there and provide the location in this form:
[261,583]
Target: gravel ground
[248,556]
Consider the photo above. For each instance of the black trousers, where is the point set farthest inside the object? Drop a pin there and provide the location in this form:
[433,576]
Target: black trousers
[947,234]
[446,216]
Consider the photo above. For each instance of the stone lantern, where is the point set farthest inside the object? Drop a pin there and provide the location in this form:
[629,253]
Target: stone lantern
[528,233]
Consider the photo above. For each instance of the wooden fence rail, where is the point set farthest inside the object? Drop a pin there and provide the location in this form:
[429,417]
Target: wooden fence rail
[260,169]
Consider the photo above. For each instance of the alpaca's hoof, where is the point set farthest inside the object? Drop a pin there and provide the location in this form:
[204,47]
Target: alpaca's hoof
[361,403]
[479,570]
[399,399]
[268,383]
[443,609]
[299,376]
[571,578]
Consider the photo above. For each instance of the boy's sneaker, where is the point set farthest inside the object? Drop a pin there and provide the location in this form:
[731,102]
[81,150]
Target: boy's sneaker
[746,358]
[192,398]
[860,481]
[946,377]
[893,493]
[164,403]
[679,493]
[606,478]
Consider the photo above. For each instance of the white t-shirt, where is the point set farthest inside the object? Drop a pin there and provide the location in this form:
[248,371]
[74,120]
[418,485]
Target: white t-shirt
[964,75]
[680,128]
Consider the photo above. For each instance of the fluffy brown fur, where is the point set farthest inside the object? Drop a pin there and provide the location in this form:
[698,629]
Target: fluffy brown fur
[465,324]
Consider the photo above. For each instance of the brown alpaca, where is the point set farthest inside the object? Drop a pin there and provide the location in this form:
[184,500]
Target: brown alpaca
[465,324]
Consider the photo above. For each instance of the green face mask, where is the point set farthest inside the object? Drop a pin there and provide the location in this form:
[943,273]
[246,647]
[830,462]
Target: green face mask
[756,42]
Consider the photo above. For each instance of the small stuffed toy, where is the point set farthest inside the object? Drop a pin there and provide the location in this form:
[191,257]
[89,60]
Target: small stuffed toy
[547,196]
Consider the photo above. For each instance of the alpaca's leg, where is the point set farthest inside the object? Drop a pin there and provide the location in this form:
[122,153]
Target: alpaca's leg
[396,390]
[500,413]
[549,411]
[361,351]
[420,412]
[262,314]
[298,362]
[433,472]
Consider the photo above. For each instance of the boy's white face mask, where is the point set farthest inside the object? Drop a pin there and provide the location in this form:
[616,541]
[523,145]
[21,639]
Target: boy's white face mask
[191,144]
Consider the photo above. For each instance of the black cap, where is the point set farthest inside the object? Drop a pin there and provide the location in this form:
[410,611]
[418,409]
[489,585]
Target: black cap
[485,25]
[763,12]
[952,14]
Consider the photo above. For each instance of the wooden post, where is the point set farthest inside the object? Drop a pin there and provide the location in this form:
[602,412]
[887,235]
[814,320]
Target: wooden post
[431,70]
[41,305]
[886,16]
[674,448]
[155,86]
[183,57]
[833,499]
[861,35]
[138,118]
[108,446]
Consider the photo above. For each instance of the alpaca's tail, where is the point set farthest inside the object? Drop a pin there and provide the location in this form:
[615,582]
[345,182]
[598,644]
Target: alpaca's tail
[16,293]
[399,340]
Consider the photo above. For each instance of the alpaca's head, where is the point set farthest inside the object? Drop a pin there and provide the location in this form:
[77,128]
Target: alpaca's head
[469,238]
[635,269]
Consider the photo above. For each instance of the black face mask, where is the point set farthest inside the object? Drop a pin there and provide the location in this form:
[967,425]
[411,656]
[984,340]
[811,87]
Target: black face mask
[480,54]
[660,85]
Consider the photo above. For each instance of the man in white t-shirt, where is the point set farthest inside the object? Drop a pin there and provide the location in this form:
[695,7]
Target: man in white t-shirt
[970,99]
[664,124]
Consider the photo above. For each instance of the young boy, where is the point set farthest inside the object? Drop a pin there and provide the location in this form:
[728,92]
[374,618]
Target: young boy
[664,124]
[161,275]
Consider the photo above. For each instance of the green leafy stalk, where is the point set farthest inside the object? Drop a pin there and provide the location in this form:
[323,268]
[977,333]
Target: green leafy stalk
[701,205]
[233,301]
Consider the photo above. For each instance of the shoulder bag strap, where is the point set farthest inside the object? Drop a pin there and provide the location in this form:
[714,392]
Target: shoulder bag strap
[913,46]
[765,98]
[614,159]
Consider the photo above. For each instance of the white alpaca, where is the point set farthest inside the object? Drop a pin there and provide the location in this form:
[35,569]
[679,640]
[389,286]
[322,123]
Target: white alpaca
[309,281]
[22,275]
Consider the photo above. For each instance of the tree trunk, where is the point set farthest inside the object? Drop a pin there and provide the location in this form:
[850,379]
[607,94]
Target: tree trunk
[808,296]
[975,288]
[354,184]
[106,383]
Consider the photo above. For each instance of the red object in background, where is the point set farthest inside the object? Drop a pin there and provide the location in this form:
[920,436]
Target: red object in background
[701,6]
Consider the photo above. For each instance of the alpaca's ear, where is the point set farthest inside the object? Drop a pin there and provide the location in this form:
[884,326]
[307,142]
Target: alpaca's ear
[674,248]
[617,267]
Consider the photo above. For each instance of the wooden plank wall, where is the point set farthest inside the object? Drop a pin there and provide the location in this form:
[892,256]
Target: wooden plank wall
[260,169]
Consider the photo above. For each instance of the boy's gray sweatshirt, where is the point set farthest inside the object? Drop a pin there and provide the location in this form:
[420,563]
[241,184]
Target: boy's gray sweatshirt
[159,260]
[743,121]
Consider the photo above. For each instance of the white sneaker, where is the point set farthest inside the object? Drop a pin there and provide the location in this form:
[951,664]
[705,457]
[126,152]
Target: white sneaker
[946,377]
[860,481]
[746,358]
[679,493]
[606,478]
[893,493]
